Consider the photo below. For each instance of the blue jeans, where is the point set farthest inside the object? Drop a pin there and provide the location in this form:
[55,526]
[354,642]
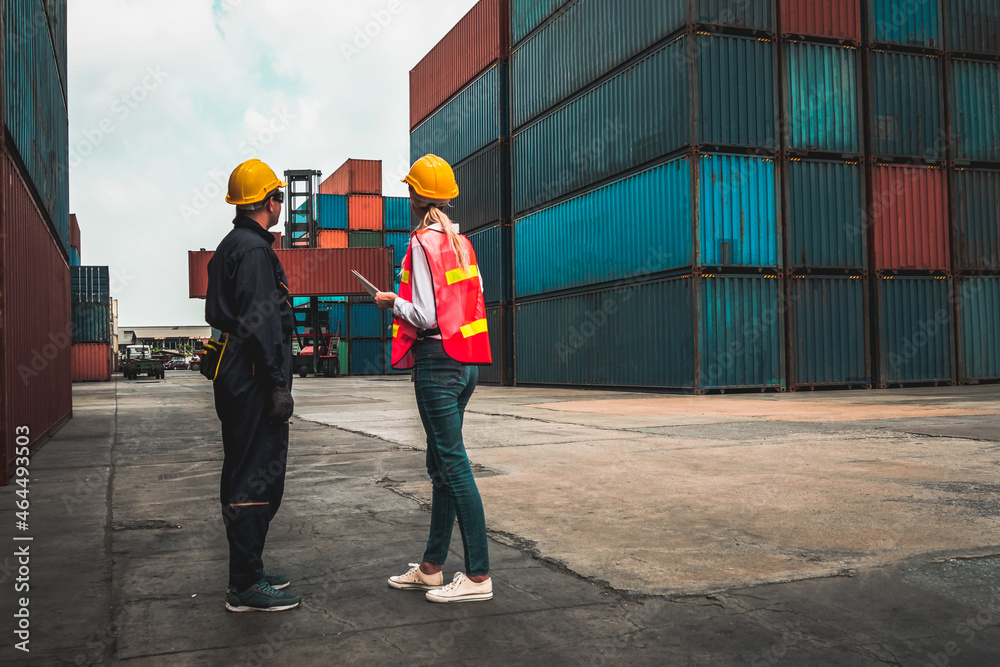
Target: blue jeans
[444,387]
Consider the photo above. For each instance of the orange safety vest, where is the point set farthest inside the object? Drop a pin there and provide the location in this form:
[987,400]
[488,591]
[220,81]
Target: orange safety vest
[458,298]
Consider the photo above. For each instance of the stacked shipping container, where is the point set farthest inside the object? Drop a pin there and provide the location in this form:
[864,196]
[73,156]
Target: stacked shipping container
[35,383]
[93,350]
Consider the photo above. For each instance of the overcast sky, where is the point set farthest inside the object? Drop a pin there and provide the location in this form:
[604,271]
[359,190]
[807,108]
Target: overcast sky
[165,98]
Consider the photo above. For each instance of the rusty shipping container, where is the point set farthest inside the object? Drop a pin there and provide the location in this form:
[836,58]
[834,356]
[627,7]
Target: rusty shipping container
[331,238]
[91,362]
[478,40]
[835,19]
[310,271]
[365,212]
[35,383]
[910,218]
[354,177]
[74,231]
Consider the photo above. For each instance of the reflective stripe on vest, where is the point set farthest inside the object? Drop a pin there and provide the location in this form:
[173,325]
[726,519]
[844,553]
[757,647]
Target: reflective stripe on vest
[458,275]
[473,328]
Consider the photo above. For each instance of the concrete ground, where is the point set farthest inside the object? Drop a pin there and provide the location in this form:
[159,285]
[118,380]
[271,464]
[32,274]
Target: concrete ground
[818,528]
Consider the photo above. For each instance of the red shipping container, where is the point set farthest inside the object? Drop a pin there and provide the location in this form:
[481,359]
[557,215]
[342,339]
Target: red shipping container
[74,232]
[478,40]
[36,391]
[277,240]
[331,238]
[312,271]
[354,177]
[837,19]
[91,362]
[365,213]
[910,218]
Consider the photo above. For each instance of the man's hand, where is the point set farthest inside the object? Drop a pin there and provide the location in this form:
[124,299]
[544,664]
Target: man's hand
[384,300]
[282,405]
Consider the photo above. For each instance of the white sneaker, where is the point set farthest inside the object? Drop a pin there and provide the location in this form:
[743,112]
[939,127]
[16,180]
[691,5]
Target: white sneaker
[462,589]
[415,579]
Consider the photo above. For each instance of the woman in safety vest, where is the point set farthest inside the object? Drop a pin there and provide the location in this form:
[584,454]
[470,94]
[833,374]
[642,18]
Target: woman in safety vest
[440,332]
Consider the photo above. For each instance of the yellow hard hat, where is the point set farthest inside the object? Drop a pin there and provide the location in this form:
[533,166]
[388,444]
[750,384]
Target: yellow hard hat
[432,178]
[250,182]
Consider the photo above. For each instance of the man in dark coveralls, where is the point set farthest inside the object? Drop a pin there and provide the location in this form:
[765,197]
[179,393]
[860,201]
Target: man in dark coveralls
[248,301]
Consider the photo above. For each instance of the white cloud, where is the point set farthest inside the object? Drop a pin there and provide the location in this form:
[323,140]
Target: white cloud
[165,98]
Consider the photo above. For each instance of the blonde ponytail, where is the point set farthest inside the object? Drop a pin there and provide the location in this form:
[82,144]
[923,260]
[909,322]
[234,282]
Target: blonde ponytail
[436,215]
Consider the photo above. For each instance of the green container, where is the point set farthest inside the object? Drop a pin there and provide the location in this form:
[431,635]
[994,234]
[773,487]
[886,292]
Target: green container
[342,357]
[365,239]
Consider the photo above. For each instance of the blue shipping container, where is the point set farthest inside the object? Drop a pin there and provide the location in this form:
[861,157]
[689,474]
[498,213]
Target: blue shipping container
[367,321]
[914,330]
[474,118]
[905,22]
[829,337]
[973,26]
[979,322]
[975,96]
[367,357]
[821,98]
[331,211]
[400,241]
[826,215]
[976,196]
[907,106]
[492,247]
[396,214]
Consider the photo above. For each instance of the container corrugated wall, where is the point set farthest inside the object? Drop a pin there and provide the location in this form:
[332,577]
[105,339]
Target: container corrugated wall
[907,106]
[976,199]
[331,211]
[500,325]
[367,321]
[586,41]
[826,220]
[396,213]
[526,15]
[331,238]
[354,177]
[973,26]
[749,14]
[975,90]
[91,322]
[829,338]
[644,113]
[399,241]
[822,98]
[36,386]
[914,330]
[905,22]
[481,37]
[979,328]
[91,362]
[482,184]
[836,19]
[365,239]
[367,357]
[364,212]
[470,121]
[910,218]
[90,284]
[572,244]
[35,107]
[492,247]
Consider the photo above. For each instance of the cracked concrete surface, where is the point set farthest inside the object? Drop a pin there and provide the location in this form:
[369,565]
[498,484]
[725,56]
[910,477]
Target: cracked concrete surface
[677,539]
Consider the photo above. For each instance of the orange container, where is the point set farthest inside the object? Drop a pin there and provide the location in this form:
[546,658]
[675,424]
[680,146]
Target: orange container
[91,362]
[332,238]
[354,177]
[364,212]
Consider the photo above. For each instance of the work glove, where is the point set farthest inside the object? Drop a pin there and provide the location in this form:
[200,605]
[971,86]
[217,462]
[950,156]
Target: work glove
[281,405]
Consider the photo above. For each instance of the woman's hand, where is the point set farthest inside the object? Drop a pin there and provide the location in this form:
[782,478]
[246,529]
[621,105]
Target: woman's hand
[384,300]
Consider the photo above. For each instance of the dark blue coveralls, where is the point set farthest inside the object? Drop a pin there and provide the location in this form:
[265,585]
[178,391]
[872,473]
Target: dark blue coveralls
[248,300]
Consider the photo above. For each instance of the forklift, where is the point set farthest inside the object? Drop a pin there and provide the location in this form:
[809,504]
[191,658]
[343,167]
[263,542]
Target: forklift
[317,349]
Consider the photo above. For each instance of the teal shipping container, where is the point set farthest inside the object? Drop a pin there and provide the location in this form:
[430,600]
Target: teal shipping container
[74,257]
[906,22]
[822,99]
[914,338]
[825,216]
[979,328]
[702,334]
[90,284]
[829,332]
[577,243]
[334,314]
[35,110]
[973,26]
[492,246]
[976,219]
[400,241]
[975,113]
[367,321]
[483,187]
[500,325]
[526,15]
[647,111]
[474,118]
[907,100]
[396,212]
[367,357]
[91,322]
[331,211]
